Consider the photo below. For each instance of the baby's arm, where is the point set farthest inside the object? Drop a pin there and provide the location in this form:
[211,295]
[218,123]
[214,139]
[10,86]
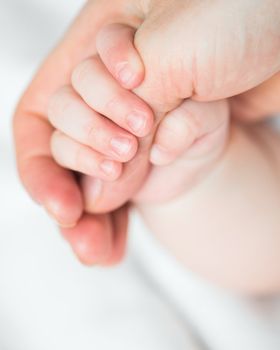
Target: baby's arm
[259,103]
[228,228]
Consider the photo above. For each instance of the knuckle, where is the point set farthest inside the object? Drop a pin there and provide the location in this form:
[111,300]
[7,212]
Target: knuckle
[78,159]
[55,145]
[96,136]
[90,133]
[118,102]
[59,104]
[113,103]
[81,72]
[178,129]
[55,137]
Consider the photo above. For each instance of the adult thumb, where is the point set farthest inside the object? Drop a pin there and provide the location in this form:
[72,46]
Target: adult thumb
[164,86]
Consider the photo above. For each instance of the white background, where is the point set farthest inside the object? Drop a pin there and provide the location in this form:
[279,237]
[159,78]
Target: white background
[48,301]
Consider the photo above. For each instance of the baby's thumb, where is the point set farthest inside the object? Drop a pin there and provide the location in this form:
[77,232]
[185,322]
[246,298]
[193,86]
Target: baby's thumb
[115,45]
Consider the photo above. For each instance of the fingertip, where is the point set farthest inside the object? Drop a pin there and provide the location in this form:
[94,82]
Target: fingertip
[90,239]
[128,75]
[65,214]
[111,169]
[175,134]
[115,45]
[141,123]
[159,156]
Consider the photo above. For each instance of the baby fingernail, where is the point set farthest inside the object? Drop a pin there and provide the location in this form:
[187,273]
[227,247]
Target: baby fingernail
[122,146]
[125,74]
[108,167]
[137,122]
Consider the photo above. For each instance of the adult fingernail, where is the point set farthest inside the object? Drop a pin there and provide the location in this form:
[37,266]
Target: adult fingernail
[137,122]
[55,213]
[121,146]
[63,225]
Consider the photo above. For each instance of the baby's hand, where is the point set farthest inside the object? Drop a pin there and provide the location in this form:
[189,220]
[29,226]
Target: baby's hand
[189,139]
[97,122]
[93,112]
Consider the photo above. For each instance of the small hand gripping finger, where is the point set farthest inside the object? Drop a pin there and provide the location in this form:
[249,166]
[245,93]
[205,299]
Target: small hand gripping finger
[186,128]
[69,114]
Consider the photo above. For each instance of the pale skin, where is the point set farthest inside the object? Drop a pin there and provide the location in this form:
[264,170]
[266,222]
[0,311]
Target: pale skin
[245,255]
[227,228]
[30,163]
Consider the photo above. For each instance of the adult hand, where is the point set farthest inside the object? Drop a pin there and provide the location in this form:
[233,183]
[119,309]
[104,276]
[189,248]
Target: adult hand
[54,187]
[207,50]
[193,49]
